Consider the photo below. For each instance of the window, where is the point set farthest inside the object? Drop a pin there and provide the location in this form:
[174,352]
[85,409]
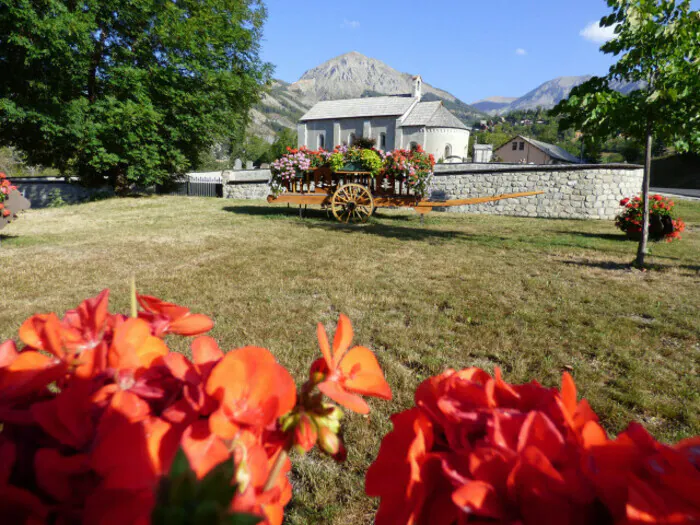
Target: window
[522,146]
[515,146]
[351,139]
[321,141]
[448,151]
[413,145]
[382,141]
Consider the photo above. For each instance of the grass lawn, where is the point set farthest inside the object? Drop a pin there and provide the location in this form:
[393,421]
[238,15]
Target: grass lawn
[532,296]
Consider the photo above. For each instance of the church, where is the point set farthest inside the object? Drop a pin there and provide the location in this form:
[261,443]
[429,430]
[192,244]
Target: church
[394,122]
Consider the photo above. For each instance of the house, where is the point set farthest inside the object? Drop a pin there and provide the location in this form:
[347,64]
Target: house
[395,122]
[524,150]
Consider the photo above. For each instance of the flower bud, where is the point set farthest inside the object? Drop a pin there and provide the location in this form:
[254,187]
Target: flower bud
[331,444]
[331,418]
[305,434]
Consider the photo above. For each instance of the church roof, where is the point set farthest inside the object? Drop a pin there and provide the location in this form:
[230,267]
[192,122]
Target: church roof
[359,107]
[432,115]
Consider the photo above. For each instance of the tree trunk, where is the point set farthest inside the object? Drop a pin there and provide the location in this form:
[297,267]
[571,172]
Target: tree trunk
[642,249]
[122,187]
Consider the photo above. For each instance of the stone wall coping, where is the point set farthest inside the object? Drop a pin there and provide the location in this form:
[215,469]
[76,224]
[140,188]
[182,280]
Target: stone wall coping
[42,180]
[246,176]
[471,167]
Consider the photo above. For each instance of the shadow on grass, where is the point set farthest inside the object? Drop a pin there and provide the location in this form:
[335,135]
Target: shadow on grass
[393,232]
[278,211]
[593,235]
[611,265]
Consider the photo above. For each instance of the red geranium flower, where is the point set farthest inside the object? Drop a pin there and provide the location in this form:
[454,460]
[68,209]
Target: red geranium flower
[347,372]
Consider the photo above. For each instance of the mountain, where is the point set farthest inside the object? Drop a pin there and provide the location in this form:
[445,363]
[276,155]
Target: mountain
[352,75]
[493,104]
[279,108]
[546,95]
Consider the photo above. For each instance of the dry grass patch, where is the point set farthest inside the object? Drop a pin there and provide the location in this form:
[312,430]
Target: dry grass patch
[532,296]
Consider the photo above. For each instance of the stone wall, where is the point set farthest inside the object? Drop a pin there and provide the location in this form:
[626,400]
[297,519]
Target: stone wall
[571,191]
[40,190]
[246,184]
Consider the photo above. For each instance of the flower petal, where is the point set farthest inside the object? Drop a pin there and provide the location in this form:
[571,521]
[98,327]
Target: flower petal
[342,397]
[342,339]
[204,449]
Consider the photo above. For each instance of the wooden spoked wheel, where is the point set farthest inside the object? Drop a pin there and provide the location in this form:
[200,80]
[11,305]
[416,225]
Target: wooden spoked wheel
[352,203]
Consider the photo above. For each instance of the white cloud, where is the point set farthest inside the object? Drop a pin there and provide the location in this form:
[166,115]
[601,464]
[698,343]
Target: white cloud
[597,34]
[351,24]
[520,51]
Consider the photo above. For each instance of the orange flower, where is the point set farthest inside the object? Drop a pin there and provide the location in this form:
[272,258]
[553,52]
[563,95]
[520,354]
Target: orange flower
[203,448]
[347,371]
[252,388]
[170,318]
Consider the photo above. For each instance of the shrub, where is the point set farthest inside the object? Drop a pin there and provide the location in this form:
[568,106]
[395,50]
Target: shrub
[56,199]
[364,143]
[662,224]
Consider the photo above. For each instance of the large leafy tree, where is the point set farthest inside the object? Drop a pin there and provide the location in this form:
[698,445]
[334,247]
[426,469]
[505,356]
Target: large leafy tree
[132,90]
[658,45]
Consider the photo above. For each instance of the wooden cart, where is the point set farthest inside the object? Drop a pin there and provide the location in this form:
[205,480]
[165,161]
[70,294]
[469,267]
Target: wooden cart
[353,196]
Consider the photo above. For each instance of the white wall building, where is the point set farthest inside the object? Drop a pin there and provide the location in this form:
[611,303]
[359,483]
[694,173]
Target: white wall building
[397,121]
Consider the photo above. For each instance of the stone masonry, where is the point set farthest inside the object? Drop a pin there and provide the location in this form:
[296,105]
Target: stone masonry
[42,190]
[246,184]
[571,191]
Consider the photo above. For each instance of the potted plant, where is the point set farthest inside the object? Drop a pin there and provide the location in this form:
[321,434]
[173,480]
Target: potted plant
[662,224]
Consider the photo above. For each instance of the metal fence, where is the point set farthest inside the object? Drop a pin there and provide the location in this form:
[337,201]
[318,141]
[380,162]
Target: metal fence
[194,185]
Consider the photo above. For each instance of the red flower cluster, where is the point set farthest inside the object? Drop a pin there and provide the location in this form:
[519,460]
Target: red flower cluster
[476,449]
[662,225]
[6,187]
[414,166]
[94,408]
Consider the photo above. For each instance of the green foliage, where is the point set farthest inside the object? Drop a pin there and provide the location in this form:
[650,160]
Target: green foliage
[657,43]
[14,163]
[130,90]
[184,500]
[366,158]
[371,161]
[286,138]
[56,199]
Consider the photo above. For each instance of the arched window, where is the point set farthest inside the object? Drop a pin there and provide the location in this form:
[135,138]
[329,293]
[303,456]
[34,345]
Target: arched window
[321,141]
[448,151]
[351,139]
[382,141]
[413,145]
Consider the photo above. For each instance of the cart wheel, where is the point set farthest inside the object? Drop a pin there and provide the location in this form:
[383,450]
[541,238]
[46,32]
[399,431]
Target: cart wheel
[352,203]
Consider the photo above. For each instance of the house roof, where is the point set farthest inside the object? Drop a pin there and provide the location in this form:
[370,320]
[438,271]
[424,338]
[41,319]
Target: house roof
[553,151]
[359,107]
[432,115]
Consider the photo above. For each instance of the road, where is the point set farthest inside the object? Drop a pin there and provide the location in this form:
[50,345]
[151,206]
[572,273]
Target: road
[678,192]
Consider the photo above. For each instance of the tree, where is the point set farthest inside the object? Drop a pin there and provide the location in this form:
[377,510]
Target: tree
[658,44]
[131,90]
[286,138]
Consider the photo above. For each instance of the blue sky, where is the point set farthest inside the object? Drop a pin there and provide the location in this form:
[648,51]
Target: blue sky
[473,49]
